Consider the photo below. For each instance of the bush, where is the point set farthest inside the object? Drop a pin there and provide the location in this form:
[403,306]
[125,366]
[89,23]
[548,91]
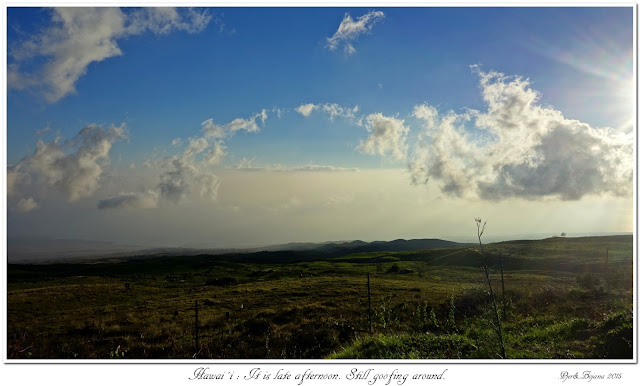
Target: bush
[618,340]
[580,328]
[312,340]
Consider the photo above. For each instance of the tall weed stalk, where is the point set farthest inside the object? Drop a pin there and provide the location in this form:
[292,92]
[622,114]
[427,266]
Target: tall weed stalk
[498,325]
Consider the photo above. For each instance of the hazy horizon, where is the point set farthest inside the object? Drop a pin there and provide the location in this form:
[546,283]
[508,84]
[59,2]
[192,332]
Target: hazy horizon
[41,250]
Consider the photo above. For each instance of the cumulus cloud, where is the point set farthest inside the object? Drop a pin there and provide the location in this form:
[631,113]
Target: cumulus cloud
[306,110]
[213,130]
[387,136]
[72,167]
[80,36]
[350,30]
[519,148]
[189,173]
[332,109]
[217,153]
[427,113]
[183,175]
[175,182]
[448,156]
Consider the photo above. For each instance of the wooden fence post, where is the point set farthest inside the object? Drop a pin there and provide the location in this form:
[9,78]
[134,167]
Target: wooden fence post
[504,304]
[197,342]
[607,277]
[369,296]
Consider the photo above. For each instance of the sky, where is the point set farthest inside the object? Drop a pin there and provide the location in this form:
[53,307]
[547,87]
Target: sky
[231,127]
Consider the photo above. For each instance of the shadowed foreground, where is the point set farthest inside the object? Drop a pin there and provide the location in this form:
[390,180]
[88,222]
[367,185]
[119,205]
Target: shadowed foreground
[562,300]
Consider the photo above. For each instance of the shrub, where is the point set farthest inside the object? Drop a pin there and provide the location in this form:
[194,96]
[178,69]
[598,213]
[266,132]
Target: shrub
[579,328]
[618,339]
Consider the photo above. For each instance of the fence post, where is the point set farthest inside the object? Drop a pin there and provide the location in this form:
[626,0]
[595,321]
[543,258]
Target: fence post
[369,296]
[504,304]
[607,277]
[197,342]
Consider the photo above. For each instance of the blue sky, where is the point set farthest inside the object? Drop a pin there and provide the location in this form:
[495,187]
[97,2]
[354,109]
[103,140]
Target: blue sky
[430,94]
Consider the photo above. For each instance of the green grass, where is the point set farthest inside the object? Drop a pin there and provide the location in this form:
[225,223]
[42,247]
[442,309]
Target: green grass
[304,305]
[409,346]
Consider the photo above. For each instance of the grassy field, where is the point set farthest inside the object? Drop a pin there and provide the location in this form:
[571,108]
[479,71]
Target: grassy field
[561,300]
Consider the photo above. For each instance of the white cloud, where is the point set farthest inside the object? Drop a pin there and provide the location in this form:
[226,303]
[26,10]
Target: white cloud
[528,150]
[449,156]
[213,130]
[196,146]
[73,167]
[333,109]
[427,113]
[306,110]
[80,36]
[250,125]
[215,155]
[175,182]
[278,111]
[164,20]
[387,136]
[189,173]
[349,31]
[185,174]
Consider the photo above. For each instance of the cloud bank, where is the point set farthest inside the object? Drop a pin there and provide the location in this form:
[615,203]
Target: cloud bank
[79,36]
[246,165]
[519,148]
[349,31]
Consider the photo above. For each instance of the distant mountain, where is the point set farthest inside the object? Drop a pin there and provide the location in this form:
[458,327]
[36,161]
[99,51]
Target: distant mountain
[77,251]
[399,245]
[342,247]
